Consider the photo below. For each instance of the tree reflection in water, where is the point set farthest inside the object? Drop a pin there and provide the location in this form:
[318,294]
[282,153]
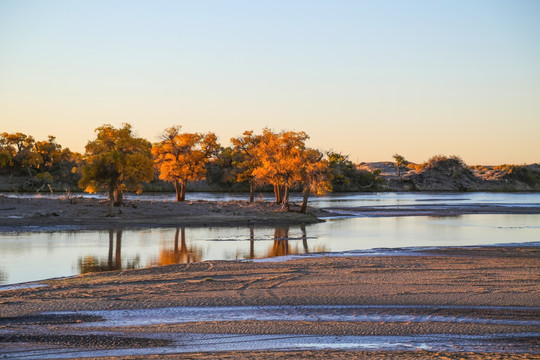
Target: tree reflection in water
[181,254]
[304,238]
[281,242]
[3,277]
[282,247]
[114,260]
[251,242]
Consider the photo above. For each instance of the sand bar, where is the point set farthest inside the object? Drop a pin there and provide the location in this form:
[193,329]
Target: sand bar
[43,214]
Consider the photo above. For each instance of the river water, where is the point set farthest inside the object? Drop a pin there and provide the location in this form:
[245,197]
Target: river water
[35,256]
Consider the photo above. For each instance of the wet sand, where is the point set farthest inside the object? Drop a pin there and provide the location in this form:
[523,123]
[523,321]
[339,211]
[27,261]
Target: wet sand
[435,210]
[488,294]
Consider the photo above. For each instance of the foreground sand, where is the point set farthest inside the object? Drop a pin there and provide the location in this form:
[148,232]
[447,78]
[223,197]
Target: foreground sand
[476,280]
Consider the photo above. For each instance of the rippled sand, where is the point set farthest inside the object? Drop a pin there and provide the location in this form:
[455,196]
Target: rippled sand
[478,303]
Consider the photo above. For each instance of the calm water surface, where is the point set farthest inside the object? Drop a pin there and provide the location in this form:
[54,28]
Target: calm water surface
[337,199]
[42,255]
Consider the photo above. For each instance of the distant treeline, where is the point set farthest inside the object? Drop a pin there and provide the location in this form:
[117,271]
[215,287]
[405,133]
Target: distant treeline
[268,161]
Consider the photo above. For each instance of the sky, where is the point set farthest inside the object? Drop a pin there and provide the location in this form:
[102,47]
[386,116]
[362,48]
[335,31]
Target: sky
[367,79]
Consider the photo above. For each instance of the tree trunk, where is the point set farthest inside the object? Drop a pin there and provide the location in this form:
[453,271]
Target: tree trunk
[118,197]
[304,201]
[177,188]
[111,201]
[277,193]
[280,194]
[284,198]
[398,171]
[251,191]
[183,190]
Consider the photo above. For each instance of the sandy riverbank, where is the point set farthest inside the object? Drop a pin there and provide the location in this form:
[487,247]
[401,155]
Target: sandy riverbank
[37,214]
[488,292]
[44,214]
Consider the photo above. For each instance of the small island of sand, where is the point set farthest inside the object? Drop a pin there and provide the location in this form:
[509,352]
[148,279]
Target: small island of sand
[31,214]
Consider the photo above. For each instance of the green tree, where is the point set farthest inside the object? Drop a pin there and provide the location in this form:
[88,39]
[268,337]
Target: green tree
[400,162]
[348,177]
[181,157]
[221,171]
[116,161]
[5,158]
[343,170]
[56,161]
[316,176]
[20,148]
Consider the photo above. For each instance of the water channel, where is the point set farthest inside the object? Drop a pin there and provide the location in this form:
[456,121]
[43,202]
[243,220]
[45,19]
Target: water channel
[31,256]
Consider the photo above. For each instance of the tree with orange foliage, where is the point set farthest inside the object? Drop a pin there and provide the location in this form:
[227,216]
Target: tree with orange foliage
[280,160]
[116,161]
[244,149]
[50,152]
[181,157]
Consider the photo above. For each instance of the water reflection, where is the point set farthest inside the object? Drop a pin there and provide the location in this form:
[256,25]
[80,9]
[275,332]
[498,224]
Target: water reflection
[65,253]
[281,242]
[3,276]
[282,247]
[186,251]
[182,254]
[114,260]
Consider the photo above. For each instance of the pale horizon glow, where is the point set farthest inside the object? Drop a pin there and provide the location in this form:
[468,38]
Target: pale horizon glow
[366,79]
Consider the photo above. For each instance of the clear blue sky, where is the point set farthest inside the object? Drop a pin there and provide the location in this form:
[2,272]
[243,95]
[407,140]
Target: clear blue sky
[365,78]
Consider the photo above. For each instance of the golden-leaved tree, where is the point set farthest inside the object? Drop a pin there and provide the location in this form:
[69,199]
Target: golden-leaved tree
[283,160]
[181,157]
[280,158]
[244,151]
[49,151]
[116,161]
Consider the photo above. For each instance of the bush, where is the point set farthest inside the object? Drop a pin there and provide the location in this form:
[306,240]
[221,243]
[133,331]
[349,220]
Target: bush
[520,173]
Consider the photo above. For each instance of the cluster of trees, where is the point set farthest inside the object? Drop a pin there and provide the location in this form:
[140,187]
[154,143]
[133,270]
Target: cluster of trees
[440,162]
[41,161]
[348,177]
[117,160]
